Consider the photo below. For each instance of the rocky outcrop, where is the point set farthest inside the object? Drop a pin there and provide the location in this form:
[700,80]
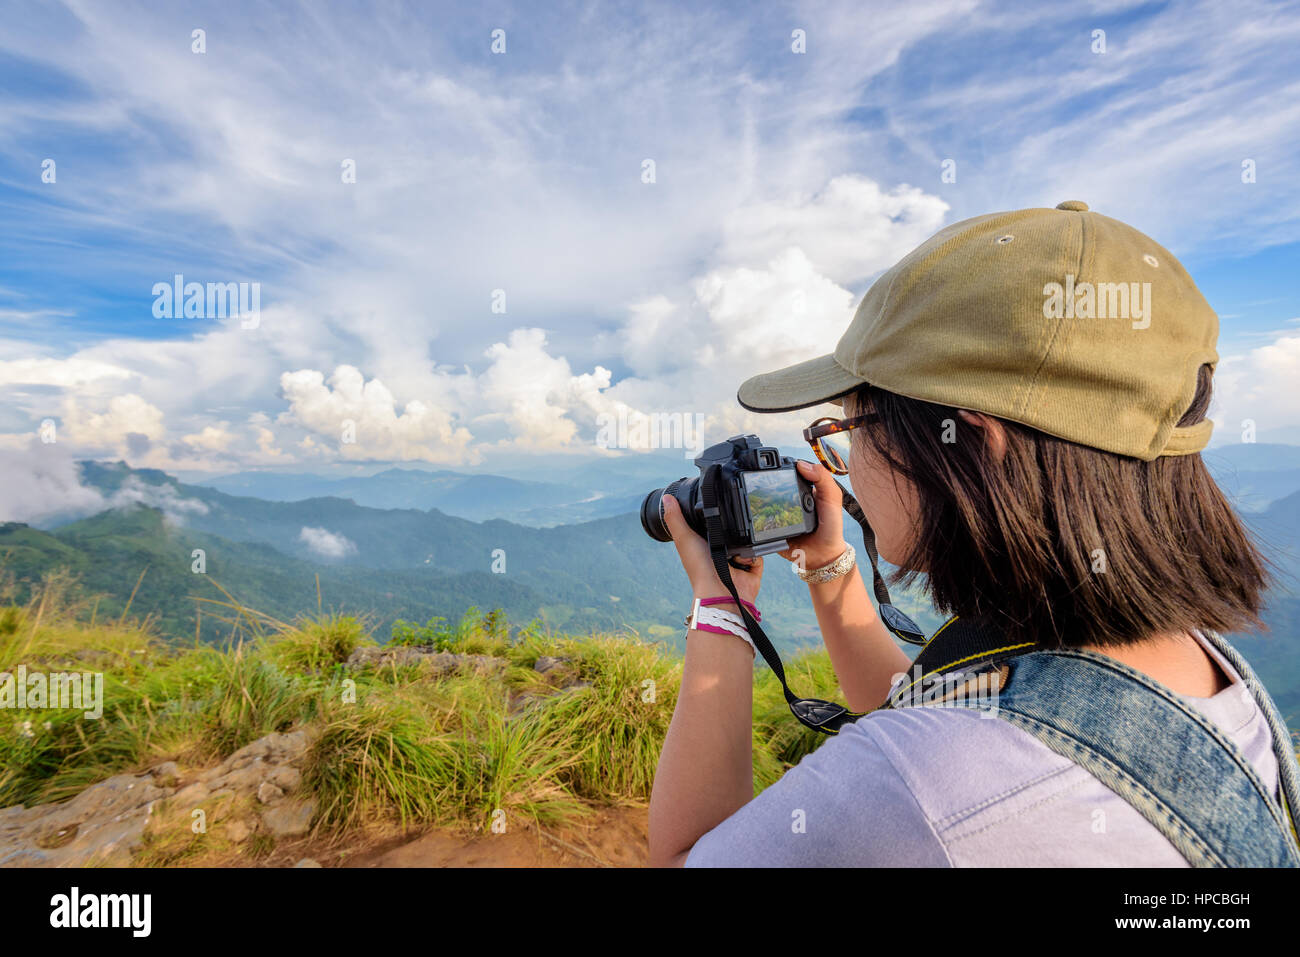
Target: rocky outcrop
[102,825]
[561,675]
[426,658]
[254,791]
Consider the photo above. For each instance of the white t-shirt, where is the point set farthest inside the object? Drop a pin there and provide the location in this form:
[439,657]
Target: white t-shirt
[947,787]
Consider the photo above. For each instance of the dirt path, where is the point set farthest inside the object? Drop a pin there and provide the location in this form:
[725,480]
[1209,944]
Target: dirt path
[609,837]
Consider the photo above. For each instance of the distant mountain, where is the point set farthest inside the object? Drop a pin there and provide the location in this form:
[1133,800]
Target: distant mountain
[1253,456]
[1254,474]
[1275,656]
[108,553]
[594,575]
[474,496]
[414,564]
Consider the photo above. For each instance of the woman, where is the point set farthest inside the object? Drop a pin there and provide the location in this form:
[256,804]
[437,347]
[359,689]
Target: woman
[1025,396]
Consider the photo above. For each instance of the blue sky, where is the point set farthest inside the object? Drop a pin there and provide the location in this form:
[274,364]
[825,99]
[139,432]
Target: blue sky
[778,176]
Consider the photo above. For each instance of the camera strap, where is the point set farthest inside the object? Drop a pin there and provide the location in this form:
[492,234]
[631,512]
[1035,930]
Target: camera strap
[824,716]
[897,622]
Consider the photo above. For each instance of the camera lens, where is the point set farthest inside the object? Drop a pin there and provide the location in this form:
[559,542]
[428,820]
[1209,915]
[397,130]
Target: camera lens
[652,517]
[652,509]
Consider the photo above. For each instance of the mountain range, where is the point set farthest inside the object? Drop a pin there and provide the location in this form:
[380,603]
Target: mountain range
[1252,474]
[389,563]
[285,558]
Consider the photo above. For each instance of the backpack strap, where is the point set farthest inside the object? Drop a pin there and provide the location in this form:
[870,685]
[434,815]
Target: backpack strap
[1163,757]
[1284,750]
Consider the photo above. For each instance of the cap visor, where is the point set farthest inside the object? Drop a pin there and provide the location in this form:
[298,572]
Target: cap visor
[798,386]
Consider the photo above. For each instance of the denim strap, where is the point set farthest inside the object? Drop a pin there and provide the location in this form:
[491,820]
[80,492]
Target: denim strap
[1165,758]
[1284,750]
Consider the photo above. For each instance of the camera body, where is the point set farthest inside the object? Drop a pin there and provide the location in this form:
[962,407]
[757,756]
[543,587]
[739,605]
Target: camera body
[762,499]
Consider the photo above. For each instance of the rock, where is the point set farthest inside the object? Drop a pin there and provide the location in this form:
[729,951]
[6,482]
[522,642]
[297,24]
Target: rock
[289,819]
[426,658]
[105,823]
[285,748]
[102,825]
[517,704]
[545,663]
[167,774]
[308,862]
[249,753]
[268,793]
[285,777]
[192,796]
[246,778]
[237,831]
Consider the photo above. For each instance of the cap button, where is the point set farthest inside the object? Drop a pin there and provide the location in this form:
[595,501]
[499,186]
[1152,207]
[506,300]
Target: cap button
[1074,204]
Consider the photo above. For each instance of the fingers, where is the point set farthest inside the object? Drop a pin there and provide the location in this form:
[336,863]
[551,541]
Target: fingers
[823,482]
[674,518]
[690,545]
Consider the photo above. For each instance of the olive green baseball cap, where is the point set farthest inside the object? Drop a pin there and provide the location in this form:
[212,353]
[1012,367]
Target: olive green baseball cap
[1061,319]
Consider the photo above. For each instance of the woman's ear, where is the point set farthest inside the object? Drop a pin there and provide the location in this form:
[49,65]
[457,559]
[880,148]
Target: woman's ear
[994,434]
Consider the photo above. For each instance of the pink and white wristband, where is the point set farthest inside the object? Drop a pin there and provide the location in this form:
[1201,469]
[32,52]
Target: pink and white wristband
[719,622]
[728,600]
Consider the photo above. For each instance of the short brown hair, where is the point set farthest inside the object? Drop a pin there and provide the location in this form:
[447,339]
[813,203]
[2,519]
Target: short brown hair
[1063,544]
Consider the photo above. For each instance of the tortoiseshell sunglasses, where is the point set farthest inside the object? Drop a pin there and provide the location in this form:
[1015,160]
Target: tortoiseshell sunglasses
[820,436]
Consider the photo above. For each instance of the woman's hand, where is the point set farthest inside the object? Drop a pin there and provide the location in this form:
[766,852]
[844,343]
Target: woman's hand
[694,554]
[827,543]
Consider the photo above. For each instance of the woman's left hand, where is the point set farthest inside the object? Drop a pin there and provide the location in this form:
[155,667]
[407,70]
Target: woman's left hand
[694,554]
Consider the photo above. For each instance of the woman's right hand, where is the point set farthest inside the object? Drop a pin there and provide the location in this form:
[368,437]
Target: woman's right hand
[827,543]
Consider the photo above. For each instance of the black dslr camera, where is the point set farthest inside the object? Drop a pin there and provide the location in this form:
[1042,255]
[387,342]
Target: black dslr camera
[749,501]
[763,501]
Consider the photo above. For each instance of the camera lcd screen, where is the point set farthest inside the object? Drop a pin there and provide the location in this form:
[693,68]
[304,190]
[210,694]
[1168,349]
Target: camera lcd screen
[774,508]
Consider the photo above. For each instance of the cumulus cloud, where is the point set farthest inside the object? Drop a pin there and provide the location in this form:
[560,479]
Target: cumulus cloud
[849,231]
[689,354]
[363,419]
[535,394]
[325,543]
[747,253]
[212,438]
[125,417]
[1258,386]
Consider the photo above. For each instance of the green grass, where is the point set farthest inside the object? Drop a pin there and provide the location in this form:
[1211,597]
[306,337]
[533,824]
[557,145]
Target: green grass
[392,744]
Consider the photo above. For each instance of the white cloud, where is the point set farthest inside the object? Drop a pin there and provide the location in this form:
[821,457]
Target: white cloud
[42,484]
[164,497]
[325,543]
[777,198]
[63,373]
[126,415]
[211,438]
[536,394]
[849,231]
[362,418]
[1260,386]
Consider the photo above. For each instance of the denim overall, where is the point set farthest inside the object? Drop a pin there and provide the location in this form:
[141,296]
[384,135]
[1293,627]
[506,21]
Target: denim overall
[1162,756]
